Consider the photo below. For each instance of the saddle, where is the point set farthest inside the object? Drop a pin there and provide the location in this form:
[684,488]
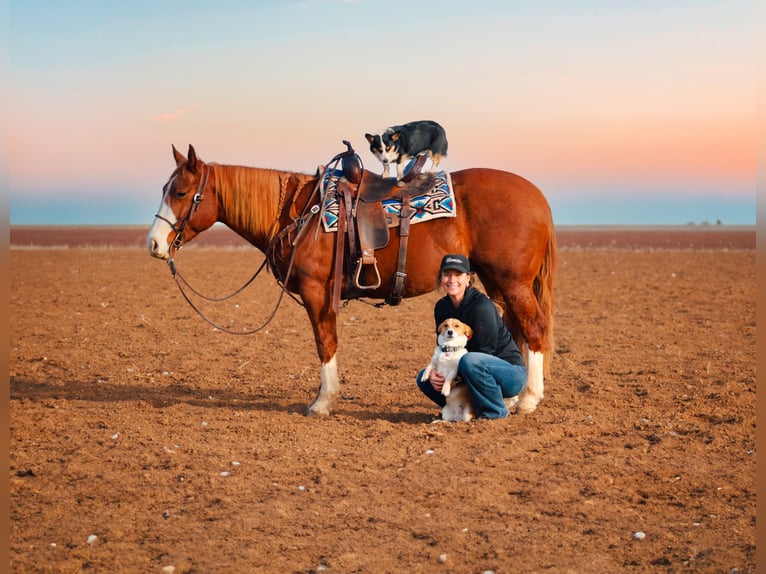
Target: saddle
[363,225]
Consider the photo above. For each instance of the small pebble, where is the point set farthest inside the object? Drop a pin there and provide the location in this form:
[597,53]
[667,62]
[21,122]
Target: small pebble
[53,545]
[224,473]
[168,569]
[442,559]
[639,535]
[166,515]
[429,451]
[115,435]
[204,423]
[234,463]
[92,538]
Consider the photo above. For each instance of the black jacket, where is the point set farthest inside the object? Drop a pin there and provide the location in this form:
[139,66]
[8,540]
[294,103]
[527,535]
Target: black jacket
[490,335]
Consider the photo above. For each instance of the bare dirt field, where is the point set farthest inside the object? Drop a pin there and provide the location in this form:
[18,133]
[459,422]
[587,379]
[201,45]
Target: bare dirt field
[144,440]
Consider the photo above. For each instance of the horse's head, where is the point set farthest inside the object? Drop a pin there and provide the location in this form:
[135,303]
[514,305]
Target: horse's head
[188,206]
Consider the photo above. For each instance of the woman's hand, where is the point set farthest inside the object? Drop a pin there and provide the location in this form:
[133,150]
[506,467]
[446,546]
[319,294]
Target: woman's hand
[437,380]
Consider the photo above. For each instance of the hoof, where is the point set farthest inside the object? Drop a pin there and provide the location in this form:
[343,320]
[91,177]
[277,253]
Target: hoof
[511,402]
[525,407]
[317,412]
[319,408]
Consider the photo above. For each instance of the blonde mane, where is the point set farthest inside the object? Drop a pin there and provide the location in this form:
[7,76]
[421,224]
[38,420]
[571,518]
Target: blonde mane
[250,197]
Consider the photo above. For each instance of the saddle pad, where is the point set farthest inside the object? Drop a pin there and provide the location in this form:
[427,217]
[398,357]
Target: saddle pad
[439,201]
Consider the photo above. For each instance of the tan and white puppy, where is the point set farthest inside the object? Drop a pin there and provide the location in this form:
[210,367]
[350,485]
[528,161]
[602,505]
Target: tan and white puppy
[452,338]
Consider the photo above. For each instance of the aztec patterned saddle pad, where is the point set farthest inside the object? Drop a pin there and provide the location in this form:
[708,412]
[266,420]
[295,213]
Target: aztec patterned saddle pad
[439,201]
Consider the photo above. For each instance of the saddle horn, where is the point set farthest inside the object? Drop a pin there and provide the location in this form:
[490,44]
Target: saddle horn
[351,164]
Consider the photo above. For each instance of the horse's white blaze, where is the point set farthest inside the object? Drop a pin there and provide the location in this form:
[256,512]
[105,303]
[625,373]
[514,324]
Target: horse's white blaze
[533,392]
[329,389]
[157,237]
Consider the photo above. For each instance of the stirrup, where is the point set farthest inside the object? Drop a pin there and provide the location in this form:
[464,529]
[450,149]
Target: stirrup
[366,259]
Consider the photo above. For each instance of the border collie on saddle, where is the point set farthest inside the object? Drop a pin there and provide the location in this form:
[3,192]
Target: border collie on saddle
[399,144]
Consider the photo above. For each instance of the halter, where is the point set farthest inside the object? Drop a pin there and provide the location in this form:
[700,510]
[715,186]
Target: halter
[196,200]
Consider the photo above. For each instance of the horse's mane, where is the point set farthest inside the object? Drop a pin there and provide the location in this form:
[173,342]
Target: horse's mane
[250,197]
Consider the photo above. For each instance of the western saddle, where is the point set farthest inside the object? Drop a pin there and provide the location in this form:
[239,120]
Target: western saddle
[364,227]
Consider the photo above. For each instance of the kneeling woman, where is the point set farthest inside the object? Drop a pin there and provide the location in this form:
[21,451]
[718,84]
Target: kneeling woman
[493,368]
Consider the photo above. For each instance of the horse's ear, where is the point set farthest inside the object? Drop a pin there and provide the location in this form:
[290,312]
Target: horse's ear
[192,162]
[178,156]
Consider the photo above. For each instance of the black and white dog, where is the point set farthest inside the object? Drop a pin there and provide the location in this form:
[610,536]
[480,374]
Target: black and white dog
[399,144]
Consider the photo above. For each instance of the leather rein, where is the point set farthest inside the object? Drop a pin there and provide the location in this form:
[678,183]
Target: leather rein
[296,226]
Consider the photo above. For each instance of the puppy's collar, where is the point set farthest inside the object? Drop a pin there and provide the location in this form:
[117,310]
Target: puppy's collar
[449,349]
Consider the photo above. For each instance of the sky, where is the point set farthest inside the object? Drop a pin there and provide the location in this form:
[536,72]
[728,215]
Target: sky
[621,112]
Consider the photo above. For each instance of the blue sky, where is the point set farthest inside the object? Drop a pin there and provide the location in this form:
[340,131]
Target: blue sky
[621,112]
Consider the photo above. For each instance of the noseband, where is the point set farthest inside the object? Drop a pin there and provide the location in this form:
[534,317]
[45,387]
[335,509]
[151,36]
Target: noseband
[196,200]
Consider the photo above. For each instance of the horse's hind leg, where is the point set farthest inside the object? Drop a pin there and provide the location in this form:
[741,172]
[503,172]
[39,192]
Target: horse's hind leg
[528,319]
[533,392]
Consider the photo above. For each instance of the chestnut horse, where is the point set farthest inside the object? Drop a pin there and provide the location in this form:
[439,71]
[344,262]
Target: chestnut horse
[503,224]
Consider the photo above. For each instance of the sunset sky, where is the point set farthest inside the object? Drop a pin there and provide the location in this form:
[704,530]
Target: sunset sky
[640,112]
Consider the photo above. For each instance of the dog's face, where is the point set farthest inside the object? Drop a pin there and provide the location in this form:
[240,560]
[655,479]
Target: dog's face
[453,333]
[384,147]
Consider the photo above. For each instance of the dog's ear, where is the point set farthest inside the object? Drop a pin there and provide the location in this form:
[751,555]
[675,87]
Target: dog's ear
[395,137]
[468,332]
[370,137]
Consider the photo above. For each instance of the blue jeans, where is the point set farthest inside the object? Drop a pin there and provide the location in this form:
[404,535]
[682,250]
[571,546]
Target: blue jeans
[489,379]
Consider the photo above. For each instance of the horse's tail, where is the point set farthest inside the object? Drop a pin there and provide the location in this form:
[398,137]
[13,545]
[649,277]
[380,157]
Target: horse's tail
[543,288]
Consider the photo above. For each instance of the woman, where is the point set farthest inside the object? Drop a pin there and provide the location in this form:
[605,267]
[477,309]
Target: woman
[493,368]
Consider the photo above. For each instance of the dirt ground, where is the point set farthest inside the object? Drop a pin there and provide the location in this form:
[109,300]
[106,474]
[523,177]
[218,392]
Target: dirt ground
[144,440]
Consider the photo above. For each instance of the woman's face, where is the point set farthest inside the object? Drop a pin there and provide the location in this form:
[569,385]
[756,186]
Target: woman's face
[454,282]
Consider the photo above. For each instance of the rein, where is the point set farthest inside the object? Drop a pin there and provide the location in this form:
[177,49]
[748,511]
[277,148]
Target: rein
[177,275]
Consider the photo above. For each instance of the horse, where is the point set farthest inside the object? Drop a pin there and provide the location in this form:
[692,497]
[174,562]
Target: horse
[503,225]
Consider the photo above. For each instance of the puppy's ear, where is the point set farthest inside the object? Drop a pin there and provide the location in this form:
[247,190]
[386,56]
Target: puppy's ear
[370,137]
[395,137]
[468,332]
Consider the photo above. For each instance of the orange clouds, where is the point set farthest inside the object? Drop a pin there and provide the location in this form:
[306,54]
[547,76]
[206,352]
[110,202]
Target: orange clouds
[171,116]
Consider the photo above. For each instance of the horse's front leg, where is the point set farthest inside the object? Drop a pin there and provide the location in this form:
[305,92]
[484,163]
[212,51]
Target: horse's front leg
[323,322]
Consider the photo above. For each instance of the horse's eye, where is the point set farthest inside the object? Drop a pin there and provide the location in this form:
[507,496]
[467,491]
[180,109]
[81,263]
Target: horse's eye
[180,194]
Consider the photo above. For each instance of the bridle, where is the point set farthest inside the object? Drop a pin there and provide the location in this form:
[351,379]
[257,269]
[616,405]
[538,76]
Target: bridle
[296,227]
[196,200]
